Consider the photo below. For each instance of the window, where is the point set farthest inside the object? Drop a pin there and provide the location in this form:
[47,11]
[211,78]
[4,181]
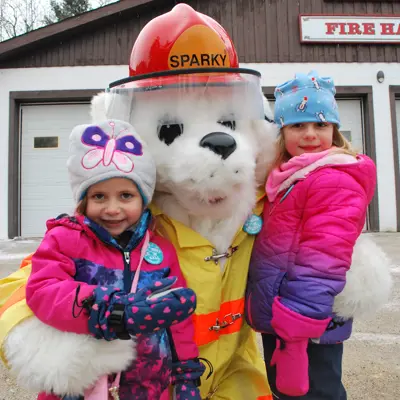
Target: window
[45,142]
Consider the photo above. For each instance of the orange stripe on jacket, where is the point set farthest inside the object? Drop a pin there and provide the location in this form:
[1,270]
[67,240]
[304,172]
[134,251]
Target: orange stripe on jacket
[17,296]
[26,261]
[203,322]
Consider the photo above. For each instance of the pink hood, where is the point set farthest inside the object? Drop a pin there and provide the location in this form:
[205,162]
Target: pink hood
[299,167]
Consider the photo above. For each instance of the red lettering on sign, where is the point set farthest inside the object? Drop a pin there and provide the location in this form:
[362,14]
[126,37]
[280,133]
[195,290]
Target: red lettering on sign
[354,28]
[387,29]
[342,28]
[369,29]
[331,27]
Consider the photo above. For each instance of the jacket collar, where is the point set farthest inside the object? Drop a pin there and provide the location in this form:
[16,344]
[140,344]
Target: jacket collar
[79,222]
[299,167]
[135,233]
[187,237]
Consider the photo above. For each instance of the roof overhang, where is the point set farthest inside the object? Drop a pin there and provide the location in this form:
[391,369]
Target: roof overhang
[69,27]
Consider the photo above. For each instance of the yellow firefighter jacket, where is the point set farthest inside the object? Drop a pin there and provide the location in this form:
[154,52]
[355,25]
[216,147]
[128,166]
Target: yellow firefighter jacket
[221,332]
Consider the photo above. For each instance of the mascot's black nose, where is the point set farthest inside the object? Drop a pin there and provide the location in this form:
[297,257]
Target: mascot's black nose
[220,143]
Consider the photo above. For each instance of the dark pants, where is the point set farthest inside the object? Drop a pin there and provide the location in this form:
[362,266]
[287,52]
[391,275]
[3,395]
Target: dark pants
[325,371]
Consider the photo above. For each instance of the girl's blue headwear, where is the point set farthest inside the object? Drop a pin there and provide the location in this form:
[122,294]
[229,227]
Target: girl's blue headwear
[306,98]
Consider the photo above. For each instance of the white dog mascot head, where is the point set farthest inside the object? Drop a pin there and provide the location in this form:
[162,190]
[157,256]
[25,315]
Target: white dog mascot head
[203,118]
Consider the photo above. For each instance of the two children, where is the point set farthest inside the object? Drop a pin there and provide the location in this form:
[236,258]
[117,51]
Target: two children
[318,192]
[103,272]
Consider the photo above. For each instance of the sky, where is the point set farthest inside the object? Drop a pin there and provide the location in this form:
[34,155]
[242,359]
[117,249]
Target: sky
[9,8]
[93,3]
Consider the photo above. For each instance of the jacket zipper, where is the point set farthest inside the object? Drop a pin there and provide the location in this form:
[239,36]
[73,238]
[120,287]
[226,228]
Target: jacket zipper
[127,271]
[127,257]
[127,265]
[276,202]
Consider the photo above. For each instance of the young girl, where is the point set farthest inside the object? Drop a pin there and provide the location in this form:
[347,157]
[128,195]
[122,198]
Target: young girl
[85,268]
[318,193]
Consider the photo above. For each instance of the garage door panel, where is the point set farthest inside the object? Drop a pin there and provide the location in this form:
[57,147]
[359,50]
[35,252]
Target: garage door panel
[45,190]
[350,112]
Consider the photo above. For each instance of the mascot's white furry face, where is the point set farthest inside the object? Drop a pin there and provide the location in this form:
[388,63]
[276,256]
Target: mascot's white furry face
[211,145]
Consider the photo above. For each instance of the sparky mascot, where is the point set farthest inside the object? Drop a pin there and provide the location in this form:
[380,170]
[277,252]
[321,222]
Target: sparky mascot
[210,131]
[203,119]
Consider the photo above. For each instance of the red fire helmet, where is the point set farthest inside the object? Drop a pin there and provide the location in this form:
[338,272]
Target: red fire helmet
[180,46]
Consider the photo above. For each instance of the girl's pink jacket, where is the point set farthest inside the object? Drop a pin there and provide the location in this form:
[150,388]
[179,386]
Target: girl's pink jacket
[72,255]
[315,213]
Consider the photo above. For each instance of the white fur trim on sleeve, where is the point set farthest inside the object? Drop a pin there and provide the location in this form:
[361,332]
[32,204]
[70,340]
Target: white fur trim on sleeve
[368,282]
[45,359]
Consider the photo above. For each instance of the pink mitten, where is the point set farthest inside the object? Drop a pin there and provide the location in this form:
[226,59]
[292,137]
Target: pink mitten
[290,357]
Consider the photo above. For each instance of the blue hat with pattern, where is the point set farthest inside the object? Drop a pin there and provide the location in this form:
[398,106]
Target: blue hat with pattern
[306,98]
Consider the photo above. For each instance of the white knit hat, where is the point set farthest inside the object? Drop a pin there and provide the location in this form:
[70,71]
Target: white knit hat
[110,149]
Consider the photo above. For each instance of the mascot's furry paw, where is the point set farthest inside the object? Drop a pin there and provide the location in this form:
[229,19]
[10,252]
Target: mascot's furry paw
[45,359]
[368,282]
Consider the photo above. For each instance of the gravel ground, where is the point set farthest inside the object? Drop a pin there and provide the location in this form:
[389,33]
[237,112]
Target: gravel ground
[9,390]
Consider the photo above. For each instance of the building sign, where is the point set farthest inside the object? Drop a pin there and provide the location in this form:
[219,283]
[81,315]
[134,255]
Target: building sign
[349,29]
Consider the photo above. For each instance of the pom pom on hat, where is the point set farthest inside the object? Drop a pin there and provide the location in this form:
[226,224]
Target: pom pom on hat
[110,149]
[306,98]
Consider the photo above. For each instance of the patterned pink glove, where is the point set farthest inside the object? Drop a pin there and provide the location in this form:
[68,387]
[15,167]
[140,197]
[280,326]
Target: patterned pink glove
[290,357]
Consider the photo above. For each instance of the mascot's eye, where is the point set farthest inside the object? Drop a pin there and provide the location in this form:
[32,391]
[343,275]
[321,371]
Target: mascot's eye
[228,124]
[169,132]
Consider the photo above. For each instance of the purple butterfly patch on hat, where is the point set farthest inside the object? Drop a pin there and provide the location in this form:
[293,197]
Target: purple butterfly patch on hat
[110,149]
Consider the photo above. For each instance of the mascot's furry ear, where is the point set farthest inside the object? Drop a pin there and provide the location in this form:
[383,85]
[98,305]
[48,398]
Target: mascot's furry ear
[98,110]
[110,106]
[368,282]
[266,132]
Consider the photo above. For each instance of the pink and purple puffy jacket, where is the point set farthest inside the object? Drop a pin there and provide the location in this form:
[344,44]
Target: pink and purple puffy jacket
[71,254]
[315,213]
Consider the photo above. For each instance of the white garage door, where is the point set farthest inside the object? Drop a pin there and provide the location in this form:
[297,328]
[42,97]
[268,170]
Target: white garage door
[45,190]
[350,112]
